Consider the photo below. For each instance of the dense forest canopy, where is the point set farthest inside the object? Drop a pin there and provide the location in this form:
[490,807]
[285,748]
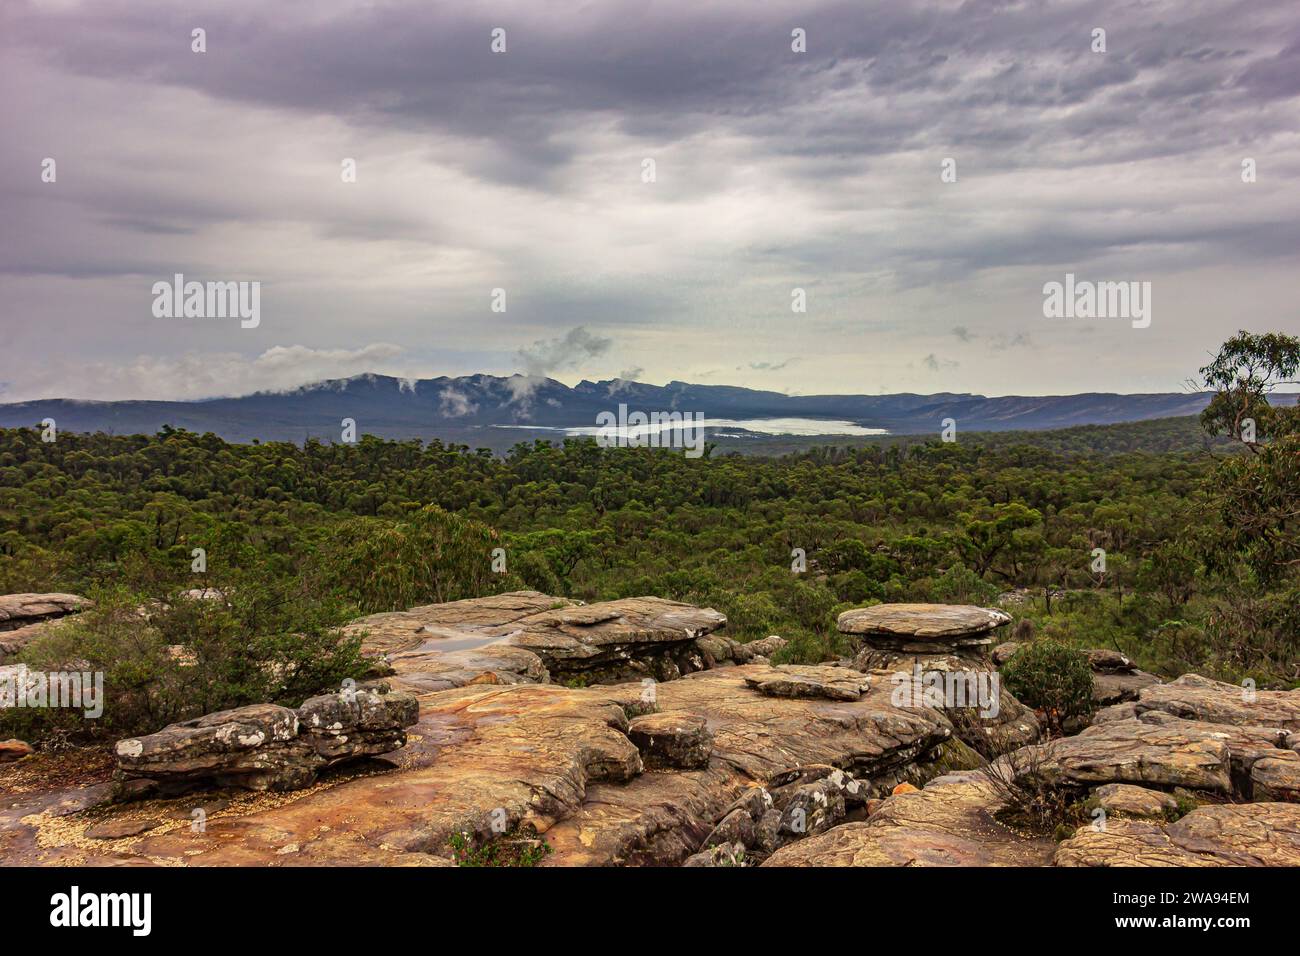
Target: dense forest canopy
[1200,551]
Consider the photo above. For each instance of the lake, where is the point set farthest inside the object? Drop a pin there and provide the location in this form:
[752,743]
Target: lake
[764,426]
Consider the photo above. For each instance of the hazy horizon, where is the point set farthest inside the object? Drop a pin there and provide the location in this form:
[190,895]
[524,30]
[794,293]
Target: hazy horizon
[574,381]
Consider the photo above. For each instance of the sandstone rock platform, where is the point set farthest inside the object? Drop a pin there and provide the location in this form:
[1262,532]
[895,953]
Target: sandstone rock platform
[25,617]
[530,636]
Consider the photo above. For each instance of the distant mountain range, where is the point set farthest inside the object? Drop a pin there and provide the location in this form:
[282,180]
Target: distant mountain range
[472,408]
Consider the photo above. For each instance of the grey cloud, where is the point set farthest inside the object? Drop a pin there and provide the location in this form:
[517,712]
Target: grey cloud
[553,355]
[520,170]
[548,356]
[934,363]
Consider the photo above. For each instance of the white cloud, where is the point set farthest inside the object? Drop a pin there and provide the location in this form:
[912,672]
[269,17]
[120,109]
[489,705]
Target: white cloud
[199,374]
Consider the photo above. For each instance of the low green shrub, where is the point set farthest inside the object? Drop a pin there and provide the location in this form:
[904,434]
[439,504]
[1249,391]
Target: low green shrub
[1053,679]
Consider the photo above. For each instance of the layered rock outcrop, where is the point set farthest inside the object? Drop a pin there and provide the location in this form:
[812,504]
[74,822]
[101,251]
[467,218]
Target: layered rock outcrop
[526,636]
[1124,799]
[736,761]
[894,631]
[923,648]
[1253,834]
[1164,774]
[562,760]
[265,746]
[950,822]
[1200,698]
[25,617]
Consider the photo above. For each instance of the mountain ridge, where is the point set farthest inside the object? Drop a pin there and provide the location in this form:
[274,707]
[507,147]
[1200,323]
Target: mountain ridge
[456,408]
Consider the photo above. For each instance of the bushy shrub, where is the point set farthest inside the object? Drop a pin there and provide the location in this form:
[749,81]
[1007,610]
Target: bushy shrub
[1053,679]
[431,557]
[165,661]
[1026,786]
[857,587]
[535,573]
[751,616]
[960,585]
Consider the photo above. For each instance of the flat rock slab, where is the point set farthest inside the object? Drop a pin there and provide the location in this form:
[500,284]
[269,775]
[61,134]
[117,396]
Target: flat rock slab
[1250,834]
[17,610]
[1124,798]
[1103,660]
[672,739]
[120,829]
[808,680]
[1276,777]
[1113,687]
[1245,744]
[1131,751]
[527,636]
[578,638]
[434,626]
[429,668]
[556,757]
[26,617]
[1199,698]
[950,822]
[926,622]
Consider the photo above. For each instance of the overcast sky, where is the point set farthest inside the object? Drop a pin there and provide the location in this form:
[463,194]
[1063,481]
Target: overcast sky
[523,170]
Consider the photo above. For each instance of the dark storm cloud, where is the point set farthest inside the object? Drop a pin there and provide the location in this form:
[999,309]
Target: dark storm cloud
[662,74]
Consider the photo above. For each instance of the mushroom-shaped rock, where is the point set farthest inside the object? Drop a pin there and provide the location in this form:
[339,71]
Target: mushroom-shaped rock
[944,623]
[672,740]
[120,829]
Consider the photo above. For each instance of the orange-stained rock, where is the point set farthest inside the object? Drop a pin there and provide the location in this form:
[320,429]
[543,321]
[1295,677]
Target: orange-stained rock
[1252,834]
[11,750]
[527,636]
[556,757]
[950,822]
